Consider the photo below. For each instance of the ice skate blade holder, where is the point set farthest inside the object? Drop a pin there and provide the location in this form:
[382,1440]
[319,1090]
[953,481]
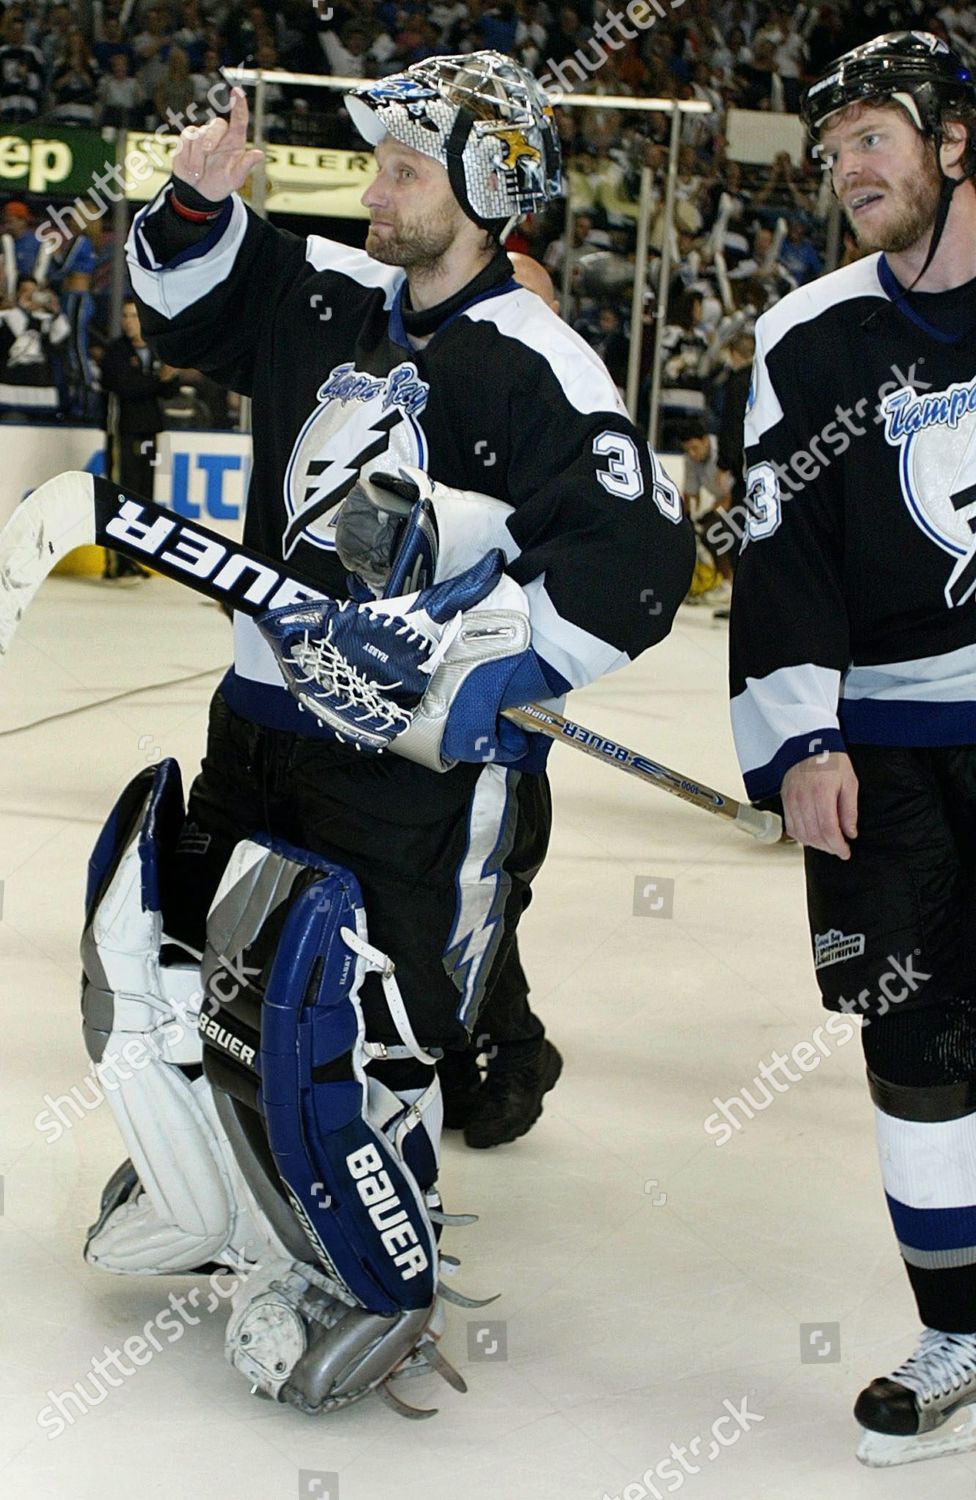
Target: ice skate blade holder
[957,1434]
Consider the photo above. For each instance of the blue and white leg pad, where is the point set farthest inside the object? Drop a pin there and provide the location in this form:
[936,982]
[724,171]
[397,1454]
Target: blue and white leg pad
[341,1141]
[357,1159]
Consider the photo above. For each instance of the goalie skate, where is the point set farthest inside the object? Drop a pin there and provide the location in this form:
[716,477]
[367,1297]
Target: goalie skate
[298,1336]
[924,1409]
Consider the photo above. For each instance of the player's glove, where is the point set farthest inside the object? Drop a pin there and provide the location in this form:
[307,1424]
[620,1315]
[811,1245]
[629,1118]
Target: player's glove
[362,669]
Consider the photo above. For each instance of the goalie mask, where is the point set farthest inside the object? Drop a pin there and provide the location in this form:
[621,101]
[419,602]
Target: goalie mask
[483,117]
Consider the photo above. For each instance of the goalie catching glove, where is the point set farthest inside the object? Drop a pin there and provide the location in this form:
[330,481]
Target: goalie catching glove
[427,673]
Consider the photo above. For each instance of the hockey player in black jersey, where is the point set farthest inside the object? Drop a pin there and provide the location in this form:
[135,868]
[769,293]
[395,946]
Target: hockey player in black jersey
[853,663]
[455,469]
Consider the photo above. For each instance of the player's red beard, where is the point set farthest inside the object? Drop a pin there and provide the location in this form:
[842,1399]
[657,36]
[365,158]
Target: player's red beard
[915,200]
[415,246]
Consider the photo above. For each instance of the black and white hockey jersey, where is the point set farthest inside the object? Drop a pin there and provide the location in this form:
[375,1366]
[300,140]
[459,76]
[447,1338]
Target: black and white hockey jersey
[27,338]
[854,610]
[504,399]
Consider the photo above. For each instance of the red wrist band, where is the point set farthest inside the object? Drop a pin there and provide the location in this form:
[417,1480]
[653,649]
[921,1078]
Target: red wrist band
[194,215]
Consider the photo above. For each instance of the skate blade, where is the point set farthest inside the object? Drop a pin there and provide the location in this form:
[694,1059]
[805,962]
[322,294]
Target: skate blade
[956,1435]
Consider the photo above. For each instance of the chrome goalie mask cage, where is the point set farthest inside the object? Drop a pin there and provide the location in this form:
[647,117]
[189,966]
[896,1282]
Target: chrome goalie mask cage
[483,117]
[915,69]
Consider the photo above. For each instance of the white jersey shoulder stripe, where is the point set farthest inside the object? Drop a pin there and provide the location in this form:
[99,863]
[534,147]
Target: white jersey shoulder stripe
[328,255]
[810,302]
[525,318]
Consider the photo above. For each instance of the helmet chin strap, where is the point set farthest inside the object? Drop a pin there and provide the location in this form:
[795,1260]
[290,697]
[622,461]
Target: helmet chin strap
[949,185]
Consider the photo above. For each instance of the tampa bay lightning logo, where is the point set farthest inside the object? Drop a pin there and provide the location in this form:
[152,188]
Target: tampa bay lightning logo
[937,436]
[401,91]
[363,423]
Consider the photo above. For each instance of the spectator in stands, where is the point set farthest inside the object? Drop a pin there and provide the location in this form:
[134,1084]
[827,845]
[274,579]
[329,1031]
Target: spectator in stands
[275,100]
[72,95]
[758,83]
[828,39]
[110,41]
[611,344]
[731,433]
[21,72]
[54,43]
[120,100]
[449,14]
[175,92]
[531,33]
[70,270]
[790,53]
[189,33]
[798,254]
[346,55]
[684,344]
[707,492]
[20,247]
[567,36]
[498,25]
[960,24]
[582,242]
[151,47]
[210,91]
[29,332]
[782,194]
[135,381]
[728,56]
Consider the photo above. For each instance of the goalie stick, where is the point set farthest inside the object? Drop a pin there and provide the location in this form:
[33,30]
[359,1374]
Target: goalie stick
[78,509]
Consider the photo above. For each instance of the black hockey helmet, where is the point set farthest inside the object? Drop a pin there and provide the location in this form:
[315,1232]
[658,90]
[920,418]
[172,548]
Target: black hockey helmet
[915,69]
[918,71]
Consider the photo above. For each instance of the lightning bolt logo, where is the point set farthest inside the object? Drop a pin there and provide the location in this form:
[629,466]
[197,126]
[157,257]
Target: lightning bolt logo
[359,417]
[329,480]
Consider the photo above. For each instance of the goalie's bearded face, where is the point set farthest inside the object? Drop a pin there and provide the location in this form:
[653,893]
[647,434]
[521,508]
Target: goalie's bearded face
[414,216]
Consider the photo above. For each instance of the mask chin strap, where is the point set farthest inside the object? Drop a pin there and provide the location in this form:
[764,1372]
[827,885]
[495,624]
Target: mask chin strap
[457,141]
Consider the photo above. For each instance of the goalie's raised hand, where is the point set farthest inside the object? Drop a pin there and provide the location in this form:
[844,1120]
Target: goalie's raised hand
[215,158]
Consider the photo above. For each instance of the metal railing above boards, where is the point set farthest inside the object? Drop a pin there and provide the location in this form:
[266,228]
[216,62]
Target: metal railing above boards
[260,80]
